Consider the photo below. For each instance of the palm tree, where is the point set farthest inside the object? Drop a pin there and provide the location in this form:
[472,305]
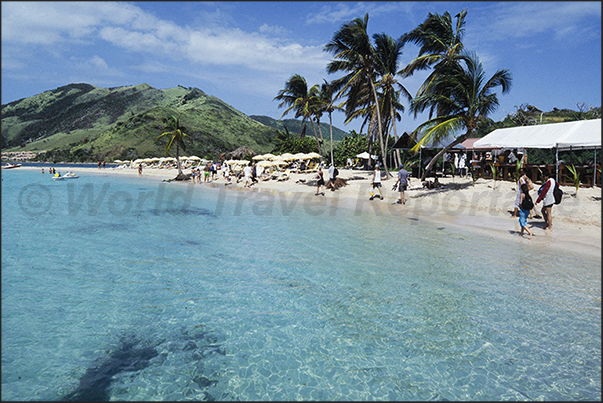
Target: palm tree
[389,52]
[355,54]
[304,101]
[440,42]
[463,98]
[175,133]
[326,105]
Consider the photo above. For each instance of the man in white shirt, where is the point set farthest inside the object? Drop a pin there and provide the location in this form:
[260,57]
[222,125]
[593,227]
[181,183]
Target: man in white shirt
[247,173]
[548,199]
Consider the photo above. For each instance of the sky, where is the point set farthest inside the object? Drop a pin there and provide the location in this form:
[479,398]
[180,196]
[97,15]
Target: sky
[244,52]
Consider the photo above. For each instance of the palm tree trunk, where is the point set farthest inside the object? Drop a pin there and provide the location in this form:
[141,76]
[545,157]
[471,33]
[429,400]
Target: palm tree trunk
[398,159]
[178,158]
[331,128]
[387,175]
[322,140]
[316,137]
[442,151]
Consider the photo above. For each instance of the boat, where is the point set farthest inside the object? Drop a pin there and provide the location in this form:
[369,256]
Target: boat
[8,165]
[68,175]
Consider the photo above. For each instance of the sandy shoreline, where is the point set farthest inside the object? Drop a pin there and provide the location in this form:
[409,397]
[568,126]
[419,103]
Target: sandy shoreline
[485,207]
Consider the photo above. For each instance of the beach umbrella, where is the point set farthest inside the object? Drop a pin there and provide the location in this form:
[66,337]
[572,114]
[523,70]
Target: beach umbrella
[287,156]
[313,155]
[155,159]
[279,161]
[268,156]
[301,156]
[258,157]
[265,163]
[194,157]
[119,161]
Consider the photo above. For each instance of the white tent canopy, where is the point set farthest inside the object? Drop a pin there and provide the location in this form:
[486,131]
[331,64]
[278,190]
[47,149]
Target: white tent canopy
[566,135]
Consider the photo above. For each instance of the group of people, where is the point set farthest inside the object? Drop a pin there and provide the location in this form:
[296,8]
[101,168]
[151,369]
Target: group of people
[524,205]
[51,170]
[402,183]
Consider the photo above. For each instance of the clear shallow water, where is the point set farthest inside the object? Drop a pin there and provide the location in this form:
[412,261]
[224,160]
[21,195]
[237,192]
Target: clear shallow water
[128,289]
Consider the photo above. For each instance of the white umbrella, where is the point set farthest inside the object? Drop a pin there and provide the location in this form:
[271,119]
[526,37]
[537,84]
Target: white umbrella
[287,156]
[268,156]
[258,157]
[314,155]
[279,161]
[118,161]
[301,156]
[194,157]
[265,163]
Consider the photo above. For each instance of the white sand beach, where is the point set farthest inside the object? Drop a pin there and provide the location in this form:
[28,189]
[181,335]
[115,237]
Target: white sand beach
[483,207]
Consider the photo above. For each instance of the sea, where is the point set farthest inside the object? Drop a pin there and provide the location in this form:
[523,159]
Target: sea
[129,288]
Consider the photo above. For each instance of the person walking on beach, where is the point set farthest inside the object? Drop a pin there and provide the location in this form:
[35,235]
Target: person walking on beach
[247,173]
[376,182]
[548,199]
[525,206]
[139,169]
[321,182]
[206,172]
[403,181]
[523,178]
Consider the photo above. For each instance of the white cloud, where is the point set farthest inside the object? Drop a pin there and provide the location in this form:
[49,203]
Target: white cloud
[341,12]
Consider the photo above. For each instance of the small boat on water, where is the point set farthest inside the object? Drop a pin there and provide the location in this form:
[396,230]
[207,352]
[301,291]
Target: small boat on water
[8,165]
[68,175]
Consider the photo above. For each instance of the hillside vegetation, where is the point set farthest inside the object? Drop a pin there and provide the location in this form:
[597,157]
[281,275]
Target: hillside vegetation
[81,122]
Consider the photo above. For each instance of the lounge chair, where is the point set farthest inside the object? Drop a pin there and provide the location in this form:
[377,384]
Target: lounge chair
[285,175]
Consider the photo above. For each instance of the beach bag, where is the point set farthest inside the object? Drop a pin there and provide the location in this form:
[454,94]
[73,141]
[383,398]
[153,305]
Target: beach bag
[527,203]
[558,193]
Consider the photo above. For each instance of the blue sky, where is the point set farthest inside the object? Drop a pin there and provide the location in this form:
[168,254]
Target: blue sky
[244,52]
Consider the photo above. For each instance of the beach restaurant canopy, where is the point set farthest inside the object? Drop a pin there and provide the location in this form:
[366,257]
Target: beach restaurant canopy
[563,136]
[581,134]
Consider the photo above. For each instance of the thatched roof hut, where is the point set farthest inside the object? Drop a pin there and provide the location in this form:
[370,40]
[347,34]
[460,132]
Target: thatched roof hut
[239,153]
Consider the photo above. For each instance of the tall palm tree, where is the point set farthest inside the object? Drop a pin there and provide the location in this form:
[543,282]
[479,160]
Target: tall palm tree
[327,100]
[440,45]
[175,133]
[302,100]
[389,52]
[354,53]
[464,98]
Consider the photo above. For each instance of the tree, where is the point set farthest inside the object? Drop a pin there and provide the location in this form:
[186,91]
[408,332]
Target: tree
[302,100]
[350,147]
[440,45]
[326,105]
[174,133]
[463,97]
[354,54]
[389,52]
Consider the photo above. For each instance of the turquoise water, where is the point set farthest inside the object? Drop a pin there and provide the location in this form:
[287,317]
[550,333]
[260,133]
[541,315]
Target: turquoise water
[131,289]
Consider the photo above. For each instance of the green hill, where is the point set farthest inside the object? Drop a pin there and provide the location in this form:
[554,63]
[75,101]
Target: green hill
[81,122]
[295,127]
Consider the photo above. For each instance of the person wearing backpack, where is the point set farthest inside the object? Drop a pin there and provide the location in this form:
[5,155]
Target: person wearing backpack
[525,205]
[546,195]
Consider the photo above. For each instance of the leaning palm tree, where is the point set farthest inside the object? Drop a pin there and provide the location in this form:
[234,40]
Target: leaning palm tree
[302,100]
[464,97]
[175,133]
[354,54]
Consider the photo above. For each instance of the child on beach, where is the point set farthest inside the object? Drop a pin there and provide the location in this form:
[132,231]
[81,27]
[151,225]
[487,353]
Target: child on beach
[526,204]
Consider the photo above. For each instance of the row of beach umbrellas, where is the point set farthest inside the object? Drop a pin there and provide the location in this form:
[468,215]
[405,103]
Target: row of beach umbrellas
[287,157]
[264,160]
